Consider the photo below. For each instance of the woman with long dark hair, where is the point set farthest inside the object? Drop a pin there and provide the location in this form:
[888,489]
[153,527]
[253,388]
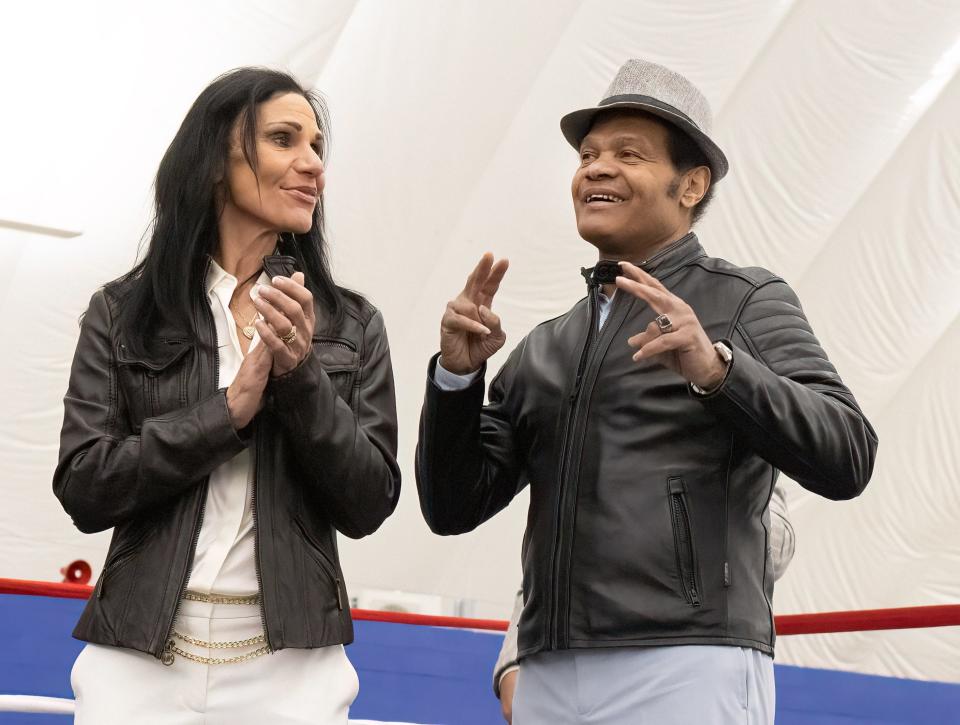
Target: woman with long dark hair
[229,409]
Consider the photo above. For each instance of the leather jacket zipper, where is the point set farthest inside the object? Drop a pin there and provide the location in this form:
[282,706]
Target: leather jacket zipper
[335,342]
[107,570]
[587,347]
[571,445]
[683,541]
[166,655]
[554,626]
[121,557]
[323,560]
[257,565]
[153,393]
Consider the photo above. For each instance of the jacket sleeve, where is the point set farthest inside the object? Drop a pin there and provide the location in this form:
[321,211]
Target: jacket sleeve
[789,404]
[353,457]
[507,660]
[782,537]
[467,464]
[104,475]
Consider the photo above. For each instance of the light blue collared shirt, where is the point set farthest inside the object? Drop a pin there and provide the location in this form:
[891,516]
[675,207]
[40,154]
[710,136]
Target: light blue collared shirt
[446,380]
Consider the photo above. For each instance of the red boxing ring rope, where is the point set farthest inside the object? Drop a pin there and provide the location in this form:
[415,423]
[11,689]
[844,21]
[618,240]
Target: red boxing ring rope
[946,615]
[45,589]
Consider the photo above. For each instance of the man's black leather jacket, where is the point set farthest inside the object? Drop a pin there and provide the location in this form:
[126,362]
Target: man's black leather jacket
[142,433]
[648,520]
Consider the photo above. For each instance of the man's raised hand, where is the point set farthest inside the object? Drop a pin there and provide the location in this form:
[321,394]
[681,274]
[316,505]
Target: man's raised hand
[470,332]
[684,347]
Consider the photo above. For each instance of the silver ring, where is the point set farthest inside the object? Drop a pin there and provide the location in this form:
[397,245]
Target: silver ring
[663,322]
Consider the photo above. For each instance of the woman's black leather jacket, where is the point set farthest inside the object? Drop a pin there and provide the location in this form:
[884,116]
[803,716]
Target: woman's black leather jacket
[142,433]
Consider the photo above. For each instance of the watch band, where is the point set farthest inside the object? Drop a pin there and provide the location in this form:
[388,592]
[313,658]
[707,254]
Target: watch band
[725,354]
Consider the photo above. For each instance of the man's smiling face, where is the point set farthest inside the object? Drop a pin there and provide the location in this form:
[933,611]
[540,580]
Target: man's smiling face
[627,194]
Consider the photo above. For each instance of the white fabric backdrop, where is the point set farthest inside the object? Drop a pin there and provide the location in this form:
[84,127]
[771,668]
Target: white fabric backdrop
[839,120]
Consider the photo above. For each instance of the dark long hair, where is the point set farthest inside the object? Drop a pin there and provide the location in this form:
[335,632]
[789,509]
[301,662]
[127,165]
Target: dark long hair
[169,281]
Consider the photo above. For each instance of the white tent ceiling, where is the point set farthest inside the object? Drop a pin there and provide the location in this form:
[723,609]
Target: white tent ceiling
[840,122]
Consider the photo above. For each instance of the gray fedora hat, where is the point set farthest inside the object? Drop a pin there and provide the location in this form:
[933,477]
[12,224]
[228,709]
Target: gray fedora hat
[646,86]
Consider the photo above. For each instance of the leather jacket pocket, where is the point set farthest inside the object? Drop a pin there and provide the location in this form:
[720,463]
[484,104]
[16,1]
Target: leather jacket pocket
[339,358]
[152,384]
[317,553]
[686,552]
[122,551]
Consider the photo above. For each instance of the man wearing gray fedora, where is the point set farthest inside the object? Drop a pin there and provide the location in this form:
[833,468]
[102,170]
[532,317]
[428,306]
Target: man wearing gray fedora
[651,422]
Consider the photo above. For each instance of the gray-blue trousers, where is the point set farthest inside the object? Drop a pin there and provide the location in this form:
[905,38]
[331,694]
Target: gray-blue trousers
[676,685]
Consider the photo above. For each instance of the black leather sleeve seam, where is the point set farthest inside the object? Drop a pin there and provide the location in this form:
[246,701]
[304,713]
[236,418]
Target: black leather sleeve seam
[775,314]
[735,323]
[838,396]
[113,385]
[754,351]
[358,307]
[741,326]
[113,396]
[807,333]
[755,284]
[802,375]
[829,389]
[358,382]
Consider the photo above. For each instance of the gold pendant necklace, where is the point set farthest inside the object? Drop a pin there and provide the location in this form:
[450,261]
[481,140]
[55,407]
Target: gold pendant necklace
[248,330]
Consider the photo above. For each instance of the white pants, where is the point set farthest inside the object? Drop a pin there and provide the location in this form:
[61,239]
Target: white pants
[673,685]
[116,686]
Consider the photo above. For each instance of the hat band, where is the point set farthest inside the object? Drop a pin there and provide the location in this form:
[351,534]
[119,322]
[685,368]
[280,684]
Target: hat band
[648,101]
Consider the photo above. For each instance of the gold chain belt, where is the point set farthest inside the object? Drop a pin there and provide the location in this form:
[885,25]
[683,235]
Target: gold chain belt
[171,649]
[222,598]
[259,639]
[167,657]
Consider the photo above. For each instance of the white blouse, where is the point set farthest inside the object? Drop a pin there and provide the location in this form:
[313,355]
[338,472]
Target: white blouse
[224,559]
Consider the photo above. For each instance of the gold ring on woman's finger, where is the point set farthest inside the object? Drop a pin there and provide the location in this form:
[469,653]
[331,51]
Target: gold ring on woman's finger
[290,336]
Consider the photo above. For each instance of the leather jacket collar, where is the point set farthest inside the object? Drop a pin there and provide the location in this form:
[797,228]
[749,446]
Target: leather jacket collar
[668,259]
[282,265]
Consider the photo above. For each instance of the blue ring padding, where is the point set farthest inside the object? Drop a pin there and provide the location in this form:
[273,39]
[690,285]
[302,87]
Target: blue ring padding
[426,674]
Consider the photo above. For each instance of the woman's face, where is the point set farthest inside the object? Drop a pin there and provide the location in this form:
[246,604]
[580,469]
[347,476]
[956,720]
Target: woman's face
[283,194]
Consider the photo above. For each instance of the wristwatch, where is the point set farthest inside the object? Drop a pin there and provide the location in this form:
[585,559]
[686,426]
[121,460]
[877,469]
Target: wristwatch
[726,354]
